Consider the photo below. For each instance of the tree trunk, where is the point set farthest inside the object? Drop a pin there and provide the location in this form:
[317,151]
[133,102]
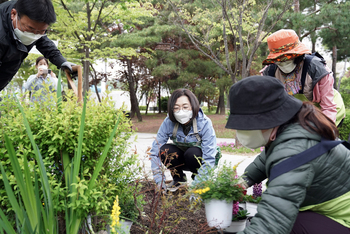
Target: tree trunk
[342,75]
[95,82]
[133,98]
[86,71]
[86,77]
[147,103]
[313,42]
[221,103]
[297,9]
[86,62]
[334,65]
[159,98]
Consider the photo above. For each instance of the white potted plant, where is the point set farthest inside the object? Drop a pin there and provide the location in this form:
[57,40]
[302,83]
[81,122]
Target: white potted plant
[239,219]
[218,188]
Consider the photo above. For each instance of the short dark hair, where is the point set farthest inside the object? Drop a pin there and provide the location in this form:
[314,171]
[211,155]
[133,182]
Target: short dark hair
[173,98]
[38,10]
[41,58]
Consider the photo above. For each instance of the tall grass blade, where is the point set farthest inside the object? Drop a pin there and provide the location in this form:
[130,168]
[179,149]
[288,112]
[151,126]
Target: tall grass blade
[42,172]
[5,224]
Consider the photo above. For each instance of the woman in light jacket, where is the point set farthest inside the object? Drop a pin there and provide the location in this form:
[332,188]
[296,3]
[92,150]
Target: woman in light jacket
[194,142]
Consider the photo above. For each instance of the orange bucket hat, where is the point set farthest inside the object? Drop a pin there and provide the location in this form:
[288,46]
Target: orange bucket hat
[284,45]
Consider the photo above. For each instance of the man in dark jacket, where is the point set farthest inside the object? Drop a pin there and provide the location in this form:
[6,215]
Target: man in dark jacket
[24,24]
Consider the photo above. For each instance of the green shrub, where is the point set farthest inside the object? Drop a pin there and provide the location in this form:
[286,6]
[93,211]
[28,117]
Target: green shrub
[142,108]
[55,130]
[344,130]
[164,104]
[345,91]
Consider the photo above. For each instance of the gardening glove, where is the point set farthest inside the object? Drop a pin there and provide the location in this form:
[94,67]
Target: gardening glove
[67,66]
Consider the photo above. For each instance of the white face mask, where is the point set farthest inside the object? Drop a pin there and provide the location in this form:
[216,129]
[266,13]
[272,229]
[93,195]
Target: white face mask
[27,38]
[42,67]
[183,116]
[253,138]
[287,66]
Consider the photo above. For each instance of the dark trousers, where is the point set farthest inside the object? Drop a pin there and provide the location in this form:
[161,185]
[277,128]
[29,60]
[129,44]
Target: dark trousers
[309,222]
[178,161]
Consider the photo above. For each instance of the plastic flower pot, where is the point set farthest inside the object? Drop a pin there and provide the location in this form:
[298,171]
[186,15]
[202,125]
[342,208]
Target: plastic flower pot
[218,213]
[236,226]
[125,226]
[251,208]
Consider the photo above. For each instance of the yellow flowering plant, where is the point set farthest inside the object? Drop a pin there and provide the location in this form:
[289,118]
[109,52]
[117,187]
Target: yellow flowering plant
[221,183]
[115,216]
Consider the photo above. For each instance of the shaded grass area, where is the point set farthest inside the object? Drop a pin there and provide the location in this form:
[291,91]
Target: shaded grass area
[232,148]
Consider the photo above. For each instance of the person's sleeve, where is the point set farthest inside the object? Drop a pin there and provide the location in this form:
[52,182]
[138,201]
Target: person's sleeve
[28,84]
[280,203]
[208,149]
[7,68]
[50,51]
[255,172]
[54,82]
[156,164]
[324,95]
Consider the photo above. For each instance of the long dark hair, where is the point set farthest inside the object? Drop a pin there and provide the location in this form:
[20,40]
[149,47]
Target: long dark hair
[191,97]
[312,119]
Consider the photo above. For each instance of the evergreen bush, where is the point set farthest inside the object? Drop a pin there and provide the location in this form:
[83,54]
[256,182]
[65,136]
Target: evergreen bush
[344,130]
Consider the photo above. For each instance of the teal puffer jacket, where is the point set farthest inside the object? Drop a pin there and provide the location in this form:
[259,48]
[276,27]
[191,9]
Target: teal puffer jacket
[322,179]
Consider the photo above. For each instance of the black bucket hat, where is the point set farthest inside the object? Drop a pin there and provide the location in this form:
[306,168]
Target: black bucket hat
[260,102]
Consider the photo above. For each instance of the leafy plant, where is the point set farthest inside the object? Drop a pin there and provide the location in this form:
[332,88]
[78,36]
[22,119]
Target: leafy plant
[251,198]
[241,215]
[220,182]
[130,200]
[54,125]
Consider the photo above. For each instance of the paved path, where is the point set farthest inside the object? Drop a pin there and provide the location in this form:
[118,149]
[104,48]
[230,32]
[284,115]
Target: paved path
[142,141]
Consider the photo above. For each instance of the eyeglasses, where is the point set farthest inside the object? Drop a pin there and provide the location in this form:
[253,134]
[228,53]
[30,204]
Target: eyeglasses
[184,108]
[30,29]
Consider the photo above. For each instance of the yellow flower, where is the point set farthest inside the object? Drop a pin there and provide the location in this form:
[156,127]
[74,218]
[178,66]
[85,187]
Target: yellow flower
[115,215]
[235,166]
[201,191]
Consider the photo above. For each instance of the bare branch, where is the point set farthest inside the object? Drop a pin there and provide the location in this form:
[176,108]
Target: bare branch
[68,11]
[317,28]
[99,14]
